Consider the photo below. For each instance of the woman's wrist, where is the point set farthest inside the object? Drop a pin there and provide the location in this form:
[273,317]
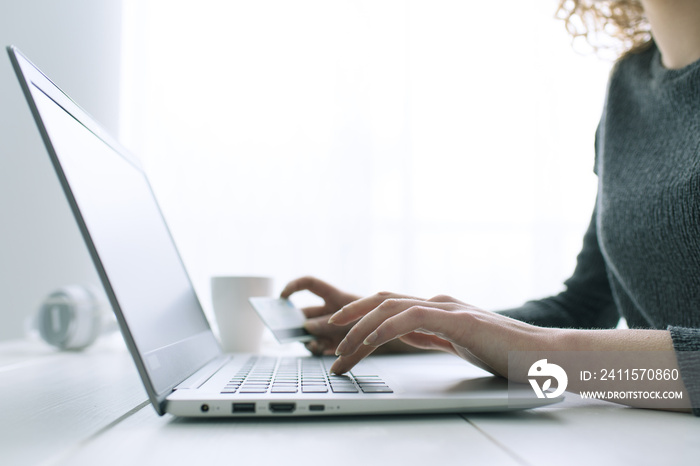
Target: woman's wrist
[610,340]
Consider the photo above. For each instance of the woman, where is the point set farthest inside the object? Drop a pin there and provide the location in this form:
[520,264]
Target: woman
[641,254]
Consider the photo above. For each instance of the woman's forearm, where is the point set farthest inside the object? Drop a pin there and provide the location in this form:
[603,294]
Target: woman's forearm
[629,366]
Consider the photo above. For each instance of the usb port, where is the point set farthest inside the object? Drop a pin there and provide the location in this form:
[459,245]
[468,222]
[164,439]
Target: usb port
[283,407]
[317,407]
[244,407]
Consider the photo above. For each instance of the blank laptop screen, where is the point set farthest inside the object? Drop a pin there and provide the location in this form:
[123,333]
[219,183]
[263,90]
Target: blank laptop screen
[130,242]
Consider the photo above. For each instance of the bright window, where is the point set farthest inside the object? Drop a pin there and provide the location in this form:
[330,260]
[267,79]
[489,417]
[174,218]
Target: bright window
[418,146]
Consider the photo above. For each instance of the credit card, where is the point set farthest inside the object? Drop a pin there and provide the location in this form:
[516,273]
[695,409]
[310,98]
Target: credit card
[284,320]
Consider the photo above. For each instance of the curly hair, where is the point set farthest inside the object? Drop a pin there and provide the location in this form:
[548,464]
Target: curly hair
[617,26]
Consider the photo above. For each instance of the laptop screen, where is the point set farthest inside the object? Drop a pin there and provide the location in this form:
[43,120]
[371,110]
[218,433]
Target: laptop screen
[129,240]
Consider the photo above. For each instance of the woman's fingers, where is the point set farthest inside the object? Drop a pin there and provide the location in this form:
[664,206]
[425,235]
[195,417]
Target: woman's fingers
[312,284]
[321,346]
[443,298]
[345,363]
[316,311]
[431,320]
[394,318]
[319,326]
[417,324]
[356,309]
[327,335]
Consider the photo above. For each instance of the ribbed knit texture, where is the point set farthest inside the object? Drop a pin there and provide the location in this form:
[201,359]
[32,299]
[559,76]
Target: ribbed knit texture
[641,253]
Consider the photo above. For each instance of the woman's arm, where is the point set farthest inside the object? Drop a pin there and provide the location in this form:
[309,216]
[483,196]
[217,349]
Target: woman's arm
[486,338]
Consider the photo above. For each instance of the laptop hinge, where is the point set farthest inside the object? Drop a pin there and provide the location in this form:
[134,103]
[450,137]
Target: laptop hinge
[198,379]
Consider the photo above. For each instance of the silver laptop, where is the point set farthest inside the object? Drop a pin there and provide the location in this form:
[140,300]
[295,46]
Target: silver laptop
[178,358]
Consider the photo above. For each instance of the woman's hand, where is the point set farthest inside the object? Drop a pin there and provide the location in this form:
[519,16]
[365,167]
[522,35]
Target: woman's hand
[327,336]
[480,337]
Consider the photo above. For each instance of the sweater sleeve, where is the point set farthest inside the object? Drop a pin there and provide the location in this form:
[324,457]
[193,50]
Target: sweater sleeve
[686,343]
[587,300]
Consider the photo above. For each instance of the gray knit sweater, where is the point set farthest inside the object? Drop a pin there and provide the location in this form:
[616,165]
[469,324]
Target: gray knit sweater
[641,253]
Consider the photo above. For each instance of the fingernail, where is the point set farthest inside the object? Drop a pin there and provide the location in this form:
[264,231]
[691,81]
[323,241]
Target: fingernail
[341,348]
[334,316]
[370,339]
[334,368]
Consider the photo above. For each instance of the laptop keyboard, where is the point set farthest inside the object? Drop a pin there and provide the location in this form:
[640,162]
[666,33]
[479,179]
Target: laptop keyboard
[298,375]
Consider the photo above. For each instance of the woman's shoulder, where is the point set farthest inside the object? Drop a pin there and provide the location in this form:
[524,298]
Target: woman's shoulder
[638,62]
[645,66]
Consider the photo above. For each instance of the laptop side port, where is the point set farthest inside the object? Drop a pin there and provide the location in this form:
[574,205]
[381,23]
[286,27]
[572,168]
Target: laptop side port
[283,407]
[317,407]
[244,407]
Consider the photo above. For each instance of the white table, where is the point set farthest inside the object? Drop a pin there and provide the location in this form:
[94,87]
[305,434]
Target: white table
[89,408]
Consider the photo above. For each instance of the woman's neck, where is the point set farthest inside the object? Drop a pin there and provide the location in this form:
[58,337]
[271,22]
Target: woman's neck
[675,25]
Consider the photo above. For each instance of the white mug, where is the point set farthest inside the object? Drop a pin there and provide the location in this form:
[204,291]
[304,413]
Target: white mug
[240,328]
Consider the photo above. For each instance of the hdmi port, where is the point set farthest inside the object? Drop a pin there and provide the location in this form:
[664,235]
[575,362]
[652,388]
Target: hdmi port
[283,407]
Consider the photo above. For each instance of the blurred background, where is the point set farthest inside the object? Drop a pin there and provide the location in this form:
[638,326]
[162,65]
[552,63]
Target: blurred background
[421,147]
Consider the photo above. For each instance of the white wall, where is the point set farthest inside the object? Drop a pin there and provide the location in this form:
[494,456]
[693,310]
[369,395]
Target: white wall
[76,43]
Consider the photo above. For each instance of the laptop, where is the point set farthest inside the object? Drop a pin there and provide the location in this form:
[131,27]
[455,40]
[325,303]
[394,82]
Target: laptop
[178,358]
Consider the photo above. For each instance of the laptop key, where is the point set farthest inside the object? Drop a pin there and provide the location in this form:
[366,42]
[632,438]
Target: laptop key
[284,390]
[367,378]
[376,389]
[314,389]
[344,389]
